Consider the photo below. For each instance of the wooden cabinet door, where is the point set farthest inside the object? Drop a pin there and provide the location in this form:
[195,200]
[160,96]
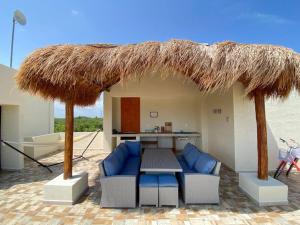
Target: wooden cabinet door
[130,114]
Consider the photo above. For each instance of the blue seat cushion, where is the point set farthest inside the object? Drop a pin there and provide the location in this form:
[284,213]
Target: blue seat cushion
[147,180]
[205,164]
[134,147]
[191,155]
[112,165]
[167,180]
[131,166]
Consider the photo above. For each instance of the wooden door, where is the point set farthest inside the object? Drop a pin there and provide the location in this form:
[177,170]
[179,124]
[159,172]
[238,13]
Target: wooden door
[130,114]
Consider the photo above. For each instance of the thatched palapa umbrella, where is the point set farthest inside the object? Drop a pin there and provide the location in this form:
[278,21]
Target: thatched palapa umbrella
[77,74]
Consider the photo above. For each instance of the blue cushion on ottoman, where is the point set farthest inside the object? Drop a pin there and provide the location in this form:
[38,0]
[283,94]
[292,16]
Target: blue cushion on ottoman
[134,147]
[148,180]
[205,164]
[112,165]
[167,181]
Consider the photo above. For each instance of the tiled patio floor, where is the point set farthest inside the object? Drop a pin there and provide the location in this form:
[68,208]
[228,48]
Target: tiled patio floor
[21,202]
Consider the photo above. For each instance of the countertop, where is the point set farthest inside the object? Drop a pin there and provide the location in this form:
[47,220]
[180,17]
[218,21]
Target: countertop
[159,134]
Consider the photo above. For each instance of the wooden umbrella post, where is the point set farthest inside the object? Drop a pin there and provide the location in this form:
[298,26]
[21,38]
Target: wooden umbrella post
[69,140]
[261,135]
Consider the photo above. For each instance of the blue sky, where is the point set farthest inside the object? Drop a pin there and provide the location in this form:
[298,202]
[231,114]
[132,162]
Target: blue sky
[130,21]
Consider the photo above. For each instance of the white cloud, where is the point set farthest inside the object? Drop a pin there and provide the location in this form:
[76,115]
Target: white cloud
[265,18]
[74,12]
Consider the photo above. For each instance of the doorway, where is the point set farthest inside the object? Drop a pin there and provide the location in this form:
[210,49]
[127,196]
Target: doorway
[130,115]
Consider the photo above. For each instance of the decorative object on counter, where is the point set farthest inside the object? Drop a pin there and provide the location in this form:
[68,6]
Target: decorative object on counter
[156,129]
[153,114]
[168,127]
[162,129]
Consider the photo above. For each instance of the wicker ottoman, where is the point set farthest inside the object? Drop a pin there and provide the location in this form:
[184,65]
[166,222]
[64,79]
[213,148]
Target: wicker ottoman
[148,190]
[168,190]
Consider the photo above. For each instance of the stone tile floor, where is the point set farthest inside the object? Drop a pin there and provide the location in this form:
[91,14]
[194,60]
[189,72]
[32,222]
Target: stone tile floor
[21,201]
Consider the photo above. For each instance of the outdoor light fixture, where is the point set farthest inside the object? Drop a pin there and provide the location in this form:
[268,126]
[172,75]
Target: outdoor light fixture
[21,19]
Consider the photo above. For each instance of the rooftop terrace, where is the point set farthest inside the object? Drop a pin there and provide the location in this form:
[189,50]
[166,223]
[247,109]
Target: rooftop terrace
[21,201]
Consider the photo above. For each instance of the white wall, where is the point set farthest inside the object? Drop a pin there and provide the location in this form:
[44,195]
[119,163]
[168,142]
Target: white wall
[283,120]
[175,100]
[10,130]
[39,151]
[220,126]
[183,113]
[116,113]
[153,86]
[33,116]
[244,131]
[107,121]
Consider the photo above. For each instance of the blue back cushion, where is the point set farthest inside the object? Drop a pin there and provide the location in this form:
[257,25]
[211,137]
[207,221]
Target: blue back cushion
[191,154]
[119,154]
[205,164]
[134,148]
[112,165]
[187,148]
[122,152]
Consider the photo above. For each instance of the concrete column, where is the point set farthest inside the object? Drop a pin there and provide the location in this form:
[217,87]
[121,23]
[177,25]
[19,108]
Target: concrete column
[107,121]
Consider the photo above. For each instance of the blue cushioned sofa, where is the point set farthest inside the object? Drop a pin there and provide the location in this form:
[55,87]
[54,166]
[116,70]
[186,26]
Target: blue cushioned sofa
[119,173]
[199,181]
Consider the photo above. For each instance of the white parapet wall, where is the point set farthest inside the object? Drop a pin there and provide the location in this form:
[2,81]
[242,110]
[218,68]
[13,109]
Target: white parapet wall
[41,151]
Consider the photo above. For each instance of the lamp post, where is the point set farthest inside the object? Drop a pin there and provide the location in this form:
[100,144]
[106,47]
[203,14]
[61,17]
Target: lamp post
[21,19]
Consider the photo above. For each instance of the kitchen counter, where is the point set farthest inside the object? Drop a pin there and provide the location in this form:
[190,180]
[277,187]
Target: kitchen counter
[159,134]
[152,138]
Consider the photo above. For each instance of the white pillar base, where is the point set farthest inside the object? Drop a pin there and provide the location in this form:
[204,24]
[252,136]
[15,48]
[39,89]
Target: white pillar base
[66,192]
[264,192]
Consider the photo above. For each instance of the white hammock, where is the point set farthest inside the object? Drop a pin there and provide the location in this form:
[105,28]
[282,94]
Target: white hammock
[54,143]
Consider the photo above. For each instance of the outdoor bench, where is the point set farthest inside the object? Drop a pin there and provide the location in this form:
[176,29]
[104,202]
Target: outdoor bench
[199,181]
[119,173]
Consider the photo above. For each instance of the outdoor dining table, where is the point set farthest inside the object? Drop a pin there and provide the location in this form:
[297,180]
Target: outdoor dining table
[159,161]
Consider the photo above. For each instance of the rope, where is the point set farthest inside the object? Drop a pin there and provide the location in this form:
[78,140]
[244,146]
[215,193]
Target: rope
[19,151]
[81,155]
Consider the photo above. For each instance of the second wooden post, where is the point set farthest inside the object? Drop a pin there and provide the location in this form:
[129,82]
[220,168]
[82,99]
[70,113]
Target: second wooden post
[262,146]
[69,127]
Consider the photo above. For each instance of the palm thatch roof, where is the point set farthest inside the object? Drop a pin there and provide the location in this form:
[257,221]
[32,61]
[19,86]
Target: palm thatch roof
[79,73]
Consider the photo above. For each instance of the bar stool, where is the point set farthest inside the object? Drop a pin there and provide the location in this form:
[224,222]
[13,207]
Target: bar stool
[148,190]
[168,190]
